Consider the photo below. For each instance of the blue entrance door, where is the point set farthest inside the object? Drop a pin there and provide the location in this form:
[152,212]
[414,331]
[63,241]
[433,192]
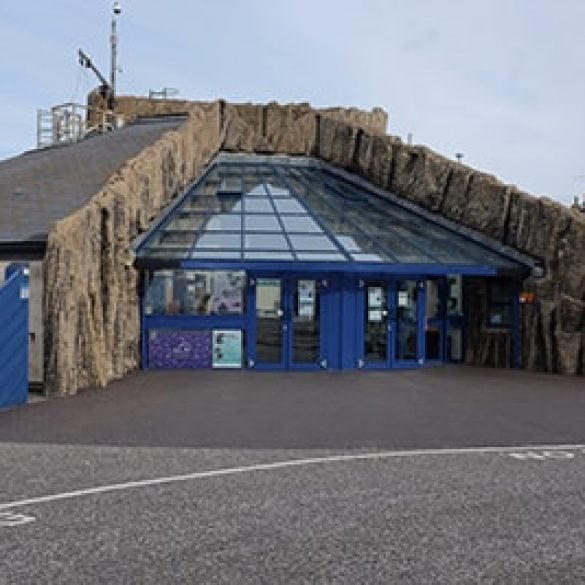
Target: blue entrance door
[288,323]
[393,326]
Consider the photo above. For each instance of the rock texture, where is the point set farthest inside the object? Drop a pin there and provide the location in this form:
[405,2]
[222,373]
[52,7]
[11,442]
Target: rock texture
[91,299]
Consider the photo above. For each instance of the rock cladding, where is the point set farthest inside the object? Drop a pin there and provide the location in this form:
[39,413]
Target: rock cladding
[92,332]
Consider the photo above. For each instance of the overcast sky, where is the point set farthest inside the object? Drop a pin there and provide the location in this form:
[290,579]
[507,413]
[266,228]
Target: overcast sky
[502,81]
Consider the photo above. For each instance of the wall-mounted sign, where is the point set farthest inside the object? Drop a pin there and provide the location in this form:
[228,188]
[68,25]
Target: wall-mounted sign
[227,348]
[375,297]
[403,300]
[306,299]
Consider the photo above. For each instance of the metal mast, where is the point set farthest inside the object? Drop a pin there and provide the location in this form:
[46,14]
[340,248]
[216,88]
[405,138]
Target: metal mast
[117,10]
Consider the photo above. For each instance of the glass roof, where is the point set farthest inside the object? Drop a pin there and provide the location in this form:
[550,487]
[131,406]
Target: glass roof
[253,210]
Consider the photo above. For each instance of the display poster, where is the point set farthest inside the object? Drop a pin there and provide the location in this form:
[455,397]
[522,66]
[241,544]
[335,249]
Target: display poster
[403,300]
[375,316]
[306,308]
[227,348]
[375,297]
[170,349]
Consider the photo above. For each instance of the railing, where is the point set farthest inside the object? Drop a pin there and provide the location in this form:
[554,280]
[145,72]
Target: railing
[71,122]
[14,338]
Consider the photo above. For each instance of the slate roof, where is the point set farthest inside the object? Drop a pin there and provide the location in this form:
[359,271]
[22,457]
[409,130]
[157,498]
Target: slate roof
[42,186]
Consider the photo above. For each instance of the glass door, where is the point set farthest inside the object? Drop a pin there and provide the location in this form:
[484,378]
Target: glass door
[434,320]
[376,324]
[270,323]
[407,322]
[305,326]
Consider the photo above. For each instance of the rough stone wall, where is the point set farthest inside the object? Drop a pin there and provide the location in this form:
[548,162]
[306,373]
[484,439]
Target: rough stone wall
[254,115]
[553,328]
[91,296]
[91,300]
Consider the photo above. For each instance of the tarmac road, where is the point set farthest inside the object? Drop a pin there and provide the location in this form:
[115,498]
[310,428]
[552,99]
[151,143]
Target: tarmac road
[454,475]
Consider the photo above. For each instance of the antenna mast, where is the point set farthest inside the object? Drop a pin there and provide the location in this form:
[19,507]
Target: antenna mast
[117,10]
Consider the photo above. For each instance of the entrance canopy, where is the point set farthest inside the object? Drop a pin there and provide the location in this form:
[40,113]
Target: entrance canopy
[301,214]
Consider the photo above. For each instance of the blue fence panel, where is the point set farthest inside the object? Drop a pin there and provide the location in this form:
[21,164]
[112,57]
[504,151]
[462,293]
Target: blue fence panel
[14,339]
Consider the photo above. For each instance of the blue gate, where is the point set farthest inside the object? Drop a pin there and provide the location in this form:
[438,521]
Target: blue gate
[14,337]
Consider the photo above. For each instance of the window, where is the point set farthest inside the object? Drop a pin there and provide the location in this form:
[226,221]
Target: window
[500,299]
[189,292]
[454,295]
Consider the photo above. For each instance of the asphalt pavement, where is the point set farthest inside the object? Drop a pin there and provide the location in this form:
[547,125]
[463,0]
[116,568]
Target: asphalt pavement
[450,475]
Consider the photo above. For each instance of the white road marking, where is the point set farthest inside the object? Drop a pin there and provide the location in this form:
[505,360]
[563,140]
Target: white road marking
[283,465]
[9,520]
[542,455]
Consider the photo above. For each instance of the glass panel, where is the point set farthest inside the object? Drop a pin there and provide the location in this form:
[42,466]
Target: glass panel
[364,222]
[231,181]
[266,241]
[319,243]
[455,344]
[213,240]
[269,320]
[261,223]
[433,299]
[188,292]
[300,223]
[177,239]
[320,256]
[434,324]
[224,222]
[407,319]
[454,295]
[500,291]
[376,322]
[500,315]
[277,191]
[289,206]
[255,189]
[367,258]
[216,254]
[153,252]
[202,203]
[186,222]
[268,255]
[500,295]
[258,204]
[306,322]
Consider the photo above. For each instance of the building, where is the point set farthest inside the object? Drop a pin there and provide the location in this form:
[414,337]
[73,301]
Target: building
[283,237]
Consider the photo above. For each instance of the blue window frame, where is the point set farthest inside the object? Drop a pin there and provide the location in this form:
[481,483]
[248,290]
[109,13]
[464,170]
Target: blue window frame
[300,219]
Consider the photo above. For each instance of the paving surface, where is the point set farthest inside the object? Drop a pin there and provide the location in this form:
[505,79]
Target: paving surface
[245,477]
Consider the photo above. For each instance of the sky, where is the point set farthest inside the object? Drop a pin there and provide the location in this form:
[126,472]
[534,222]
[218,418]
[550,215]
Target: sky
[501,81]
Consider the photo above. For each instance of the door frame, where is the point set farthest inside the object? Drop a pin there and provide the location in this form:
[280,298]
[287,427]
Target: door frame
[391,361]
[288,283]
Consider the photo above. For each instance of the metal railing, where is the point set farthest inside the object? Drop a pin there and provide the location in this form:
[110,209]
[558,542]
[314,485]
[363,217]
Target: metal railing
[71,122]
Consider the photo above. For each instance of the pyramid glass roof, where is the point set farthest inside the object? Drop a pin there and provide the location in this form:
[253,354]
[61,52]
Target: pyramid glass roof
[259,209]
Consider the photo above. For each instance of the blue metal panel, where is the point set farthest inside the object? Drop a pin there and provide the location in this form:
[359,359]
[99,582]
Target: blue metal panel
[14,339]
[267,266]
[349,326]
[421,338]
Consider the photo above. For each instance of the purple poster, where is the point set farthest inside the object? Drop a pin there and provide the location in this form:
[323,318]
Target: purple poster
[179,349]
